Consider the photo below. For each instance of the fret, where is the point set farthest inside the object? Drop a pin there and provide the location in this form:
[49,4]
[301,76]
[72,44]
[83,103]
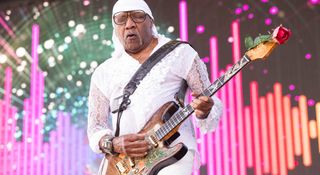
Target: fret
[170,124]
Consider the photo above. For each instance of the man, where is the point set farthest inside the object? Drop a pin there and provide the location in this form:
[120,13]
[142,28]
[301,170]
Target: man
[135,38]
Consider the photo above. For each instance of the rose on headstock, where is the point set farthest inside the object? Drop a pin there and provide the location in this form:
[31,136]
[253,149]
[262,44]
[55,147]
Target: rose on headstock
[280,35]
[263,45]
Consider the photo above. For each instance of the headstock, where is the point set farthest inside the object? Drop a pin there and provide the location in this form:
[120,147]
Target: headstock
[263,45]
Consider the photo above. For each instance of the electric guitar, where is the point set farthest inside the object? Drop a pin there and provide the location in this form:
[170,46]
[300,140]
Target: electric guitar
[163,126]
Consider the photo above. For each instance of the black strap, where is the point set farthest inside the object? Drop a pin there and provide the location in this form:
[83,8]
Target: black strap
[140,74]
[180,95]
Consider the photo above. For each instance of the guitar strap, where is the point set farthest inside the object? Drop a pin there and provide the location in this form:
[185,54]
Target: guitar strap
[140,74]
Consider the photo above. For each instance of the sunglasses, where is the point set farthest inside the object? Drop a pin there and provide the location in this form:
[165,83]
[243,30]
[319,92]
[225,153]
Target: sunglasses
[137,16]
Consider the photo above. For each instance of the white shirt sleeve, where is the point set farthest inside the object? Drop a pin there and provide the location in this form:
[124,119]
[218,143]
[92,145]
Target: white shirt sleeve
[198,81]
[99,121]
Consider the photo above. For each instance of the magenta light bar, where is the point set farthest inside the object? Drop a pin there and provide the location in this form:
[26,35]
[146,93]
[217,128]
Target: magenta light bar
[256,128]
[280,128]
[232,125]
[7,86]
[235,28]
[183,16]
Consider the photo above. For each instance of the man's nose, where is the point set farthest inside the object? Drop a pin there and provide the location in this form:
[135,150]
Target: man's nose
[130,23]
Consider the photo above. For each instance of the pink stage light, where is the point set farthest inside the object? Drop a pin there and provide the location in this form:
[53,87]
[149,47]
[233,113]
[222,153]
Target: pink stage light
[306,149]
[264,135]
[280,128]
[256,127]
[200,29]
[250,16]
[308,56]
[268,21]
[288,131]
[245,7]
[235,27]
[183,16]
[273,136]
[232,124]
[314,2]
[238,11]
[274,10]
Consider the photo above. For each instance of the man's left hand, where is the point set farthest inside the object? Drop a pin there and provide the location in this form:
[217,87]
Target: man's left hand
[201,105]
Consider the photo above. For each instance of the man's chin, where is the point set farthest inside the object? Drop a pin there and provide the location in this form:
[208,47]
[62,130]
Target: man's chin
[133,48]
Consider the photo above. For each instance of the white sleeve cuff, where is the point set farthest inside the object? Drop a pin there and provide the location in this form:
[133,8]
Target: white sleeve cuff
[95,138]
[212,121]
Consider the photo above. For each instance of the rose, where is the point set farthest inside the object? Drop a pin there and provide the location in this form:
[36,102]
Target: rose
[281,34]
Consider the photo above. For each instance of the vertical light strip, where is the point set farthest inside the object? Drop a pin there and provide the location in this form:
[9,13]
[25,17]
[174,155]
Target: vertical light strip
[81,149]
[46,159]
[53,153]
[313,129]
[183,16]
[203,150]
[256,127]
[264,136]
[34,68]
[288,131]
[214,55]
[248,132]
[296,131]
[19,158]
[306,149]
[73,150]
[6,118]
[67,135]
[13,152]
[236,40]
[26,135]
[225,132]
[273,136]
[233,129]
[60,143]
[235,27]
[1,136]
[39,143]
[280,128]
[210,153]
[218,150]
[318,122]
[213,75]
[7,86]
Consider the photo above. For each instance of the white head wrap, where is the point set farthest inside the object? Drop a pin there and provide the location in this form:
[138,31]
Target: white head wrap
[129,5]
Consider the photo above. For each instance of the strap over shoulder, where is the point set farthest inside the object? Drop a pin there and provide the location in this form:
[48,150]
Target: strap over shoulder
[140,74]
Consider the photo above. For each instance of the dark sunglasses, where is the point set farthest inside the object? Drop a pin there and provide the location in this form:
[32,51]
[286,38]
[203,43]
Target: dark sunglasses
[137,16]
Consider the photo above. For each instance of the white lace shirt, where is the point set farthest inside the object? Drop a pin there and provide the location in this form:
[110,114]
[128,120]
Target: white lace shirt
[157,88]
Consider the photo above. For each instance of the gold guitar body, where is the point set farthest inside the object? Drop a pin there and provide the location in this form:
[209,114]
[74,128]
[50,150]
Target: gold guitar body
[160,156]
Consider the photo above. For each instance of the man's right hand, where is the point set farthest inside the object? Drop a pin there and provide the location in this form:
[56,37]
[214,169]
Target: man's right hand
[133,145]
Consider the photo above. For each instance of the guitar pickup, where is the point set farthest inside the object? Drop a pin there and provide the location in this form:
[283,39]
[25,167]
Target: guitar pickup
[153,141]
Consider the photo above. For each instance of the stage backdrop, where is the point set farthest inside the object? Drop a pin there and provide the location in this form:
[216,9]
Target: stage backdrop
[271,118]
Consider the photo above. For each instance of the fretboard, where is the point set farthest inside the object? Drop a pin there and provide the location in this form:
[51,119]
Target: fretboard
[185,112]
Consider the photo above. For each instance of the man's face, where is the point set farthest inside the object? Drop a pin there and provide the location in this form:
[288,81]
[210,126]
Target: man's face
[134,30]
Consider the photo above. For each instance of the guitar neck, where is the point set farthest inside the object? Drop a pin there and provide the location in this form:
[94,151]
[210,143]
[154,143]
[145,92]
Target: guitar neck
[184,113]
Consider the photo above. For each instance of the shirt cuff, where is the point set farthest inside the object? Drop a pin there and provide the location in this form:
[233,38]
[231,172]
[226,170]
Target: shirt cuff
[210,123]
[95,138]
